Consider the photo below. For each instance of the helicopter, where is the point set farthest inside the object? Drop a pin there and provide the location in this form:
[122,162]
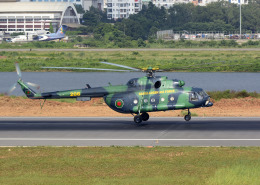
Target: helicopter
[138,96]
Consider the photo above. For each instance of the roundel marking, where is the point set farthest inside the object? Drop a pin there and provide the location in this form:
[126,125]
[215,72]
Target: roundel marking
[119,103]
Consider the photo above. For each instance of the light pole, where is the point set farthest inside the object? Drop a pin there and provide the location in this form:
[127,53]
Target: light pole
[240,18]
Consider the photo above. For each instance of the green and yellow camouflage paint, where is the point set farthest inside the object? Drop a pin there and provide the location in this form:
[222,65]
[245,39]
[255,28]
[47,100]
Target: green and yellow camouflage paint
[138,96]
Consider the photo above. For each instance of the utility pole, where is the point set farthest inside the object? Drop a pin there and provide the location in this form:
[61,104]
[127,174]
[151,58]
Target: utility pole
[240,19]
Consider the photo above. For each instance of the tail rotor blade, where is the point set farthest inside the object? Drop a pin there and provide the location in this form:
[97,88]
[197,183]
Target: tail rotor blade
[33,85]
[11,89]
[19,73]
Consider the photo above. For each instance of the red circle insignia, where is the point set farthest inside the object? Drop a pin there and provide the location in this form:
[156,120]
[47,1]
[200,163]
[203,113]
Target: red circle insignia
[119,103]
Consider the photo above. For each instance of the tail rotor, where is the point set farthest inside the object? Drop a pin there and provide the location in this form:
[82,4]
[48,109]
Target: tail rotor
[12,88]
[18,70]
[32,85]
[19,73]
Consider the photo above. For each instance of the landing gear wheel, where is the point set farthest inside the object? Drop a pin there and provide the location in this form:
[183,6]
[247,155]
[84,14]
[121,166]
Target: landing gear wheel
[138,119]
[187,117]
[145,116]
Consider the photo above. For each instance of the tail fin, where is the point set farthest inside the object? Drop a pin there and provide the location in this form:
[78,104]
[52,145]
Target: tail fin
[24,85]
[62,30]
[27,90]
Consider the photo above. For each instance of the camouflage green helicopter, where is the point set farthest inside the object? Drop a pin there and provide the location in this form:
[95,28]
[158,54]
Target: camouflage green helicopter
[138,97]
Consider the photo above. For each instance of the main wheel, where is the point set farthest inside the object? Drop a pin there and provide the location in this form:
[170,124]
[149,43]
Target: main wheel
[145,116]
[138,119]
[187,117]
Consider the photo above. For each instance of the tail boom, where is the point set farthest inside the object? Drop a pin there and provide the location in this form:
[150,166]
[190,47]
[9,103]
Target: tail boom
[27,90]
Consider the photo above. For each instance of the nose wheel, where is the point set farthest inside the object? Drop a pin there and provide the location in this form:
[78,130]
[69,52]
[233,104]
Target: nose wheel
[188,116]
[139,118]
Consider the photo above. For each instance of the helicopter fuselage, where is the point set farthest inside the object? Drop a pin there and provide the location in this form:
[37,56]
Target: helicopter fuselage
[148,94]
[139,95]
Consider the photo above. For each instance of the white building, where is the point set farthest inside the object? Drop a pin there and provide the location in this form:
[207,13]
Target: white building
[122,8]
[205,2]
[238,1]
[30,17]
[86,4]
[169,3]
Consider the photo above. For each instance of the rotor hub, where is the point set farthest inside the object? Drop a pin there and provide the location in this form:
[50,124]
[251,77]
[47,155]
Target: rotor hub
[150,71]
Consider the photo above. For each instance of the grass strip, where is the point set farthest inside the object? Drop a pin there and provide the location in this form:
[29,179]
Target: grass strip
[130,165]
[81,42]
[202,61]
[230,94]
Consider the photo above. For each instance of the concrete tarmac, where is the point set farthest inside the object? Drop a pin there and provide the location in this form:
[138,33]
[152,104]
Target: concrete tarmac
[87,131]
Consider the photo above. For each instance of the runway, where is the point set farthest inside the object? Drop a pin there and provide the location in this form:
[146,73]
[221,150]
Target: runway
[123,132]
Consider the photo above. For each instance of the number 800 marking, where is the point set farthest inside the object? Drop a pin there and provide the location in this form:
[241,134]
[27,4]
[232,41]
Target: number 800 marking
[75,94]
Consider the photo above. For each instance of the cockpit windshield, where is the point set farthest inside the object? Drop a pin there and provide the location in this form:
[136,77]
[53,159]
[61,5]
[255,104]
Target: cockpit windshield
[203,94]
[196,96]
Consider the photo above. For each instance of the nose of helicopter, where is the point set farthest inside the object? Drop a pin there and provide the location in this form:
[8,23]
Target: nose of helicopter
[208,103]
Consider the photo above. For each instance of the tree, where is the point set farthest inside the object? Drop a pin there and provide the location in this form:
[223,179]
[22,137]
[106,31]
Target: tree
[79,9]
[93,17]
[216,16]
[51,28]
[179,14]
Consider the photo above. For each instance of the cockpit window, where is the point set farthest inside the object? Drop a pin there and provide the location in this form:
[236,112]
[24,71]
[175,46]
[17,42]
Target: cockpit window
[194,96]
[203,94]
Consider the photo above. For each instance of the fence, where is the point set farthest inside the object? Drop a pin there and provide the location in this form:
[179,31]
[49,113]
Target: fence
[201,35]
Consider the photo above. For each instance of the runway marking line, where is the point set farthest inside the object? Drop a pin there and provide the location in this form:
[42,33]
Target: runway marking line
[73,139]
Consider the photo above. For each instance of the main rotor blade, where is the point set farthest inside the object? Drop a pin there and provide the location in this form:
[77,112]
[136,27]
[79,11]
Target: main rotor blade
[118,65]
[33,85]
[95,69]
[11,89]
[184,68]
[205,65]
[19,73]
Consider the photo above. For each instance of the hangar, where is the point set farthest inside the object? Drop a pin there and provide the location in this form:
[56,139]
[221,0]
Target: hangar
[30,17]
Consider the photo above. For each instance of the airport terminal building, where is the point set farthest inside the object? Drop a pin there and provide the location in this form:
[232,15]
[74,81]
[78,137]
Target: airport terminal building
[30,17]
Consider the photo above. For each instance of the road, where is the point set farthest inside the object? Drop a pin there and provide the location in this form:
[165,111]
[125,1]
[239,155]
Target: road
[140,49]
[122,132]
